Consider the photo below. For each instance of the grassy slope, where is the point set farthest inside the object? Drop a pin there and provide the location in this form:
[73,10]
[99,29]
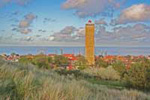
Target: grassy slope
[92,79]
[18,82]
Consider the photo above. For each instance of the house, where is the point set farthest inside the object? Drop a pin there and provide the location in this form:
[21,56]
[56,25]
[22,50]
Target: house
[71,57]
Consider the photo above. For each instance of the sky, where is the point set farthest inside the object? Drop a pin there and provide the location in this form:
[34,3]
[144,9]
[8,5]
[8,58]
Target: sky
[62,22]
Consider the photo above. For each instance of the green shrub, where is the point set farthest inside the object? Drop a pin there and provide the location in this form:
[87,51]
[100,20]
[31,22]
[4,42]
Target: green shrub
[42,62]
[120,67]
[50,60]
[64,72]
[25,60]
[101,63]
[81,63]
[61,61]
[138,76]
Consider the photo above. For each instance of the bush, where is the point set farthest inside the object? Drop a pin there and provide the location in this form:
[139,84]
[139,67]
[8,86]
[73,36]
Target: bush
[25,60]
[103,73]
[101,63]
[42,62]
[81,63]
[138,76]
[120,67]
[75,73]
[61,61]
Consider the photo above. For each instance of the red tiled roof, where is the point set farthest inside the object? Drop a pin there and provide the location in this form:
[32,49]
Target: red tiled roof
[70,56]
[51,54]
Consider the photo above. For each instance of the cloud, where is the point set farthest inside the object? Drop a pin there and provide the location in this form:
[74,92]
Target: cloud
[135,13]
[86,8]
[4,2]
[15,13]
[130,35]
[18,2]
[41,30]
[30,17]
[125,35]
[68,34]
[137,34]
[49,20]
[14,29]
[25,23]
[27,39]
[50,38]
[80,32]
[67,30]
[2,30]
[22,2]
[37,36]
[64,34]
[100,22]
[25,31]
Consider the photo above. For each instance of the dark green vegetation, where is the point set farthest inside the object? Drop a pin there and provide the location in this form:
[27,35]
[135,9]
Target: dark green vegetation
[138,76]
[101,63]
[81,63]
[120,68]
[45,62]
[26,81]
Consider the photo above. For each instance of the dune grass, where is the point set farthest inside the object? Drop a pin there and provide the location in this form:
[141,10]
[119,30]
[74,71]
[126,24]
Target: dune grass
[26,82]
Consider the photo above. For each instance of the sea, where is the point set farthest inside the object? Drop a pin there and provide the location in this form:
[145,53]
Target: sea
[25,50]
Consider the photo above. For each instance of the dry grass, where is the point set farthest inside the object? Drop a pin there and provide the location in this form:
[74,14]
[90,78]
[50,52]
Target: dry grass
[103,73]
[19,82]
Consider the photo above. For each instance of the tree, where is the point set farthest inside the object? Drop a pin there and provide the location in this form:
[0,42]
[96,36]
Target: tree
[81,62]
[138,76]
[101,63]
[120,67]
[61,61]
[12,54]
[42,62]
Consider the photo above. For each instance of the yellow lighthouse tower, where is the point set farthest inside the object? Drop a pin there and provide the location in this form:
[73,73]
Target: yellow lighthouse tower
[90,42]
